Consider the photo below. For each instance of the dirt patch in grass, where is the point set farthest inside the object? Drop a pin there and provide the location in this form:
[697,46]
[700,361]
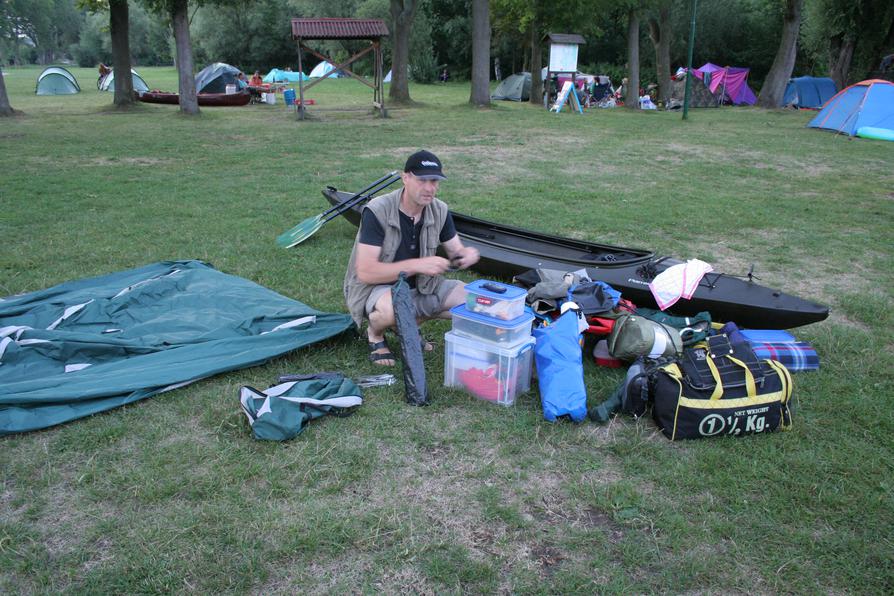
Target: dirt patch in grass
[130,161]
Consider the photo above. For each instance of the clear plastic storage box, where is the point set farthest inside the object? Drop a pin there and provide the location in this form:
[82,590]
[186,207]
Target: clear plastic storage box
[486,370]
[495,299]
[505,333]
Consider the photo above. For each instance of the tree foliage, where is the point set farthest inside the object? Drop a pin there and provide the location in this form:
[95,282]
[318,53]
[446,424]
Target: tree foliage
[251,35]
[38,30]
[150,39]
[847,39]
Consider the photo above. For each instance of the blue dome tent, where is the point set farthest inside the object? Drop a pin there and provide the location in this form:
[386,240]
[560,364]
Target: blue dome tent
[809,92]
[864,105]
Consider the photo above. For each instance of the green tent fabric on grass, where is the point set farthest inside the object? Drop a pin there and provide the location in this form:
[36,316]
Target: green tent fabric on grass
[89,345]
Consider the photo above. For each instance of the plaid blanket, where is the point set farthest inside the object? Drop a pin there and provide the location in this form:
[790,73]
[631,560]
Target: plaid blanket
[795,356]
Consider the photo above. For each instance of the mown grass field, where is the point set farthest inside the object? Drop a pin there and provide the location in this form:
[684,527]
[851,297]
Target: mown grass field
[174,495]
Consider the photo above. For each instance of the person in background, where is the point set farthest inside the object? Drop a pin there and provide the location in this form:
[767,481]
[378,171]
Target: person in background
[444,76]
[401,232]
[256,80]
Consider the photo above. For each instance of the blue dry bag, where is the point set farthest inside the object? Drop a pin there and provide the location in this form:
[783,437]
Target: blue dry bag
[560,368]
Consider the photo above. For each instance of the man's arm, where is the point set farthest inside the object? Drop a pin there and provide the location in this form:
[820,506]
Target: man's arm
[371,271]
[461,256]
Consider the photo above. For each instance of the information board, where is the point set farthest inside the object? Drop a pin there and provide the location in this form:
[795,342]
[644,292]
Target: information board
[563,57]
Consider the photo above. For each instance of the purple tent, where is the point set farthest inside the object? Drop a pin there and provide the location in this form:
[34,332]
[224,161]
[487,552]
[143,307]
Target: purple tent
[731,81]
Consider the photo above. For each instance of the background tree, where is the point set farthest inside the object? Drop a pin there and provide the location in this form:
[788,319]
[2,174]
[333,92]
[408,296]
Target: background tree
[631,97]
[119,28]
[480,94]
[402,13]
[249,35]
[48,27]
[660,33]
[5,108]
[781,71]
[149,37]
[846,40]
[451,30]
[177,10]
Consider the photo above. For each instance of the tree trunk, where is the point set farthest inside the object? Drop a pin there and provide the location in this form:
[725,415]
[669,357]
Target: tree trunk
[781,71]
[402,13]
[841,51]
[5,108]
[189,103]
[480,95]
[660,33]
[119,29]
[536,65]
[631,97]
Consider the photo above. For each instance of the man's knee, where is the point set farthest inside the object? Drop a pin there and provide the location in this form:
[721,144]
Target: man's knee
[382,314]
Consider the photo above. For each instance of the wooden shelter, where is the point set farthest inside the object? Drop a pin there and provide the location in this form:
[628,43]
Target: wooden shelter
[372,30]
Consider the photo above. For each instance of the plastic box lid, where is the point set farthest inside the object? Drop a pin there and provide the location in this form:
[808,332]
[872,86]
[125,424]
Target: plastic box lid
[462,311]
[461,341]
[509,293]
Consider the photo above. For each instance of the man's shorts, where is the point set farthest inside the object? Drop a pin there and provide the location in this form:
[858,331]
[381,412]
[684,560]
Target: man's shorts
[428,306]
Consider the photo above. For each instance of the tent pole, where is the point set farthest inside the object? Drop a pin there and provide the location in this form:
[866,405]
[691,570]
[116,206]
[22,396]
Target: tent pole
[689,63]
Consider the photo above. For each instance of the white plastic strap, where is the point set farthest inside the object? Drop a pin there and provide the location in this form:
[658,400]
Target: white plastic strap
[9,330]
[346,401]
[4,343]
[293,323]
[76,367]
[144,282]
[68,313]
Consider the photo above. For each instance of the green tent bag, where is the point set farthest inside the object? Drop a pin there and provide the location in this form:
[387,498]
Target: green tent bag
[633,336]
[281,412]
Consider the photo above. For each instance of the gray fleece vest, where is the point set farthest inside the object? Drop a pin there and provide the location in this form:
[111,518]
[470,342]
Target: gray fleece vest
[386,208]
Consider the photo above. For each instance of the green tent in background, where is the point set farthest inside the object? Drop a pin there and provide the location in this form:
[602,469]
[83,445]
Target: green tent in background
[91,345]
[55,80]
[515,87]
[699,94]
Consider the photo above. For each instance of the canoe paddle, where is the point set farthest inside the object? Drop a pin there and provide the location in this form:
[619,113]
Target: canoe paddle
[309,226]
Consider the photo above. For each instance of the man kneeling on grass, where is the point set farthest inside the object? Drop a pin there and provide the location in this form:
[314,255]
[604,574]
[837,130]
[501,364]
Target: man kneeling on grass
[400,232]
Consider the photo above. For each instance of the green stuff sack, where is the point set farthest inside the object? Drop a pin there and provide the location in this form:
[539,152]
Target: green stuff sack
[721,389]
[633,336]
[281,412]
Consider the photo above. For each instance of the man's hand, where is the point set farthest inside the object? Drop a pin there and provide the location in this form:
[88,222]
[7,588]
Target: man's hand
[466,257]
[431,265]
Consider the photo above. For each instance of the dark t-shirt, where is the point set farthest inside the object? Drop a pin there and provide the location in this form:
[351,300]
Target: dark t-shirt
[372,233]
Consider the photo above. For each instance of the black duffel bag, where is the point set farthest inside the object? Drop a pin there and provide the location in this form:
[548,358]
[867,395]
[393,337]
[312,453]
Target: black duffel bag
[720,388]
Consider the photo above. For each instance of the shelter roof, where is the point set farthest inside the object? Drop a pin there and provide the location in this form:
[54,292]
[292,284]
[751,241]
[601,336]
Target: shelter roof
[326,28]
[566,38]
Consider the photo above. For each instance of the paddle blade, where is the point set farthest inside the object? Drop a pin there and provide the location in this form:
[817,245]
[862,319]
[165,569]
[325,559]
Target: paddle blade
[301,232]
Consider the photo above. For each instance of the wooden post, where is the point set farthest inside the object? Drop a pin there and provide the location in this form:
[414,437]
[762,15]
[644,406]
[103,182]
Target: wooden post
[300,84]
[380,80]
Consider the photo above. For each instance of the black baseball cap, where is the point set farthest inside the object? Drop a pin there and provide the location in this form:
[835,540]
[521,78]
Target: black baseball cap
[425,165]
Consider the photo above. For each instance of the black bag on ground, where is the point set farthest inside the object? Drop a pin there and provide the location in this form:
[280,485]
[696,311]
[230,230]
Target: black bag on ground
[721,389]
[632,396]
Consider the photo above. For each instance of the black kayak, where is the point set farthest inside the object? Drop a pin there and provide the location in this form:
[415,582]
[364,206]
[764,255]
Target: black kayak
[507,251]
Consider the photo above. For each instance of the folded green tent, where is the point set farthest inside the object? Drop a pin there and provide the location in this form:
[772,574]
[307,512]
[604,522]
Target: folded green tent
[90,345]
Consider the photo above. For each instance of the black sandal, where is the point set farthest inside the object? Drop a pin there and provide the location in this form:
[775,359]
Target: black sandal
[379,356]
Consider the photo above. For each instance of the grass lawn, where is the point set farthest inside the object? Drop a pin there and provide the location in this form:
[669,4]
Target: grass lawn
[173,494]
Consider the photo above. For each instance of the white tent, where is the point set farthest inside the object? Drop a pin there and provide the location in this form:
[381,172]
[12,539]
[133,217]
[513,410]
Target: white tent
[387,78]
[324,69]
